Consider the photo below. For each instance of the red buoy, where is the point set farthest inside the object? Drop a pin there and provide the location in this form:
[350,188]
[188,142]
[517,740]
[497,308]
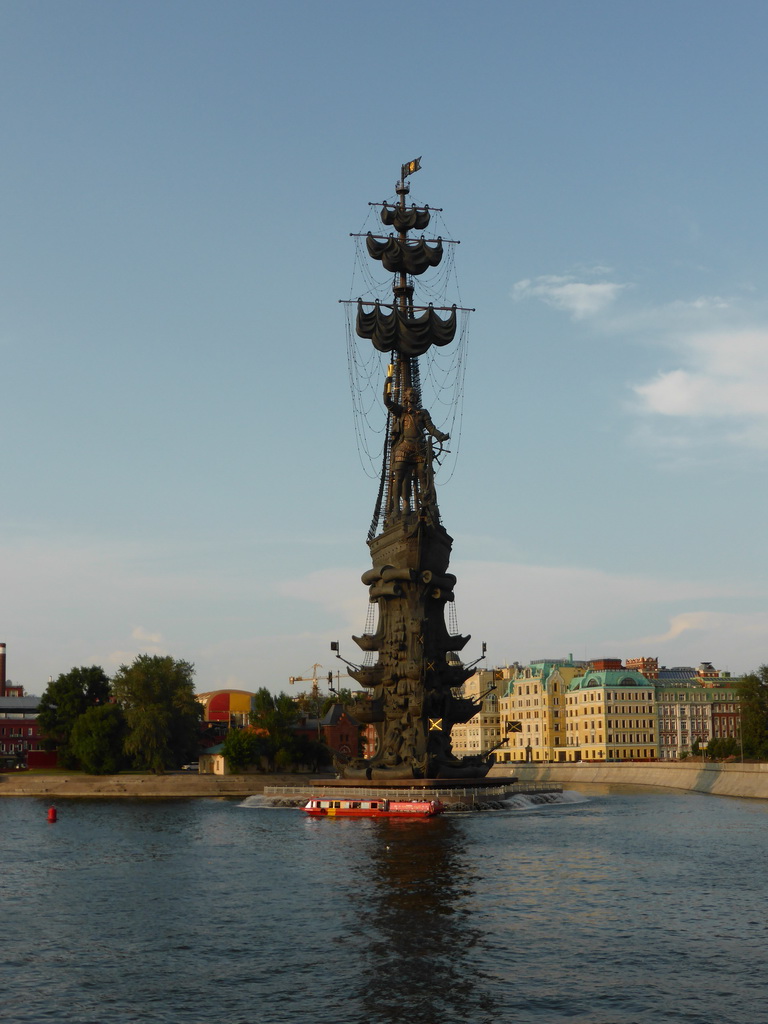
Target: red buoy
[51,814]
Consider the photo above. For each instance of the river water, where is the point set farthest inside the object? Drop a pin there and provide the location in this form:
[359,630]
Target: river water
[612,907]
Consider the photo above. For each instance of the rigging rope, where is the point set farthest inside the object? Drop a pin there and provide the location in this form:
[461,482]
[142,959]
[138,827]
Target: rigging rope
[453,621]
[441,372]
[370,657]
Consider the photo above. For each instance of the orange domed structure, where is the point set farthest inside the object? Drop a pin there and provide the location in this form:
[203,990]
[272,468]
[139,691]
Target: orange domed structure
[230,706]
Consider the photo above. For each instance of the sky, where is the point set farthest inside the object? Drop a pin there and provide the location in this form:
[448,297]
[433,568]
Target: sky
[179,465]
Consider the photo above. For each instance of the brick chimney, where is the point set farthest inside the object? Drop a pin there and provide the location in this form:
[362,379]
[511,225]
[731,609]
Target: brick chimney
[2,670]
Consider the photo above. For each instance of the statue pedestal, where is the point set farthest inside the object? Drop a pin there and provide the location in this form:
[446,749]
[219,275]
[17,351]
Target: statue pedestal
[420,785]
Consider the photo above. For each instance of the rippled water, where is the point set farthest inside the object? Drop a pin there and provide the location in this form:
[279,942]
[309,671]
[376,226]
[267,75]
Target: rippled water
[612,908]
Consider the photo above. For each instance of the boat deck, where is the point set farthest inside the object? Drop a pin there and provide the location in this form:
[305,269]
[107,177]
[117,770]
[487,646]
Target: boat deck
[448,791]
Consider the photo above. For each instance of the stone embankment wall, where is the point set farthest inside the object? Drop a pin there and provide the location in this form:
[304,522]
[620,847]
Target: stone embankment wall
[734,779]
[186,784]
[743,780]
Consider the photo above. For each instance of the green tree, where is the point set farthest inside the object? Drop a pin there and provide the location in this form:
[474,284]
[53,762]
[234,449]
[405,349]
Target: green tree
[243,748]
[753,690]
[309,703]
[312,753]
[97,739]
[62,703]
[276,715]
[157,696]
[723,746]
[286,756]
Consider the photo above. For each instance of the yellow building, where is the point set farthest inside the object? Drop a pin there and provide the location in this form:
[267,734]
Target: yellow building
[579,711]
[533,710]
[483,732]
[610,715]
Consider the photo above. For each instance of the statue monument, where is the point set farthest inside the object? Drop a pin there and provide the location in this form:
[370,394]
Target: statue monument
[412,666]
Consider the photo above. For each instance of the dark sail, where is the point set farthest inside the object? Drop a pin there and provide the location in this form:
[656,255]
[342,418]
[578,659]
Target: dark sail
[400,256]
[402,332]
[404,219]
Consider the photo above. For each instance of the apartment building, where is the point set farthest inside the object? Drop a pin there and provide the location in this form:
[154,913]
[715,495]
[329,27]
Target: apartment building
[691,710]
[483,732]
[533,710]
[610,715]
[603,710]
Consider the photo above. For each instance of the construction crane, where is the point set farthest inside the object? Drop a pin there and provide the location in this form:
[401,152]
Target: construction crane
[308,679]
[314,679]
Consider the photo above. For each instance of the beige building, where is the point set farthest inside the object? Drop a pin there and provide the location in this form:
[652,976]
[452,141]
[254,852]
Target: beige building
[563,710]
[483,732]
[611,715]
[533,710]
[693,706]
[693,713]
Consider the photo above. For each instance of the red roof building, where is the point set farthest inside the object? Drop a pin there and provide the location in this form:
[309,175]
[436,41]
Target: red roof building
[18,721]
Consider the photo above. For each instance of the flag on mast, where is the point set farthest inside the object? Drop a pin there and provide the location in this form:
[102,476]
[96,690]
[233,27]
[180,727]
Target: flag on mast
[411,167]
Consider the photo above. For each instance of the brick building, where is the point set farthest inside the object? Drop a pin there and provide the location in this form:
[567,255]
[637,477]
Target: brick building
[18,721]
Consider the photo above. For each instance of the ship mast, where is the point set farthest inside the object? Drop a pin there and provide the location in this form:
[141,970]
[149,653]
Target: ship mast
[402,289]
[403,372]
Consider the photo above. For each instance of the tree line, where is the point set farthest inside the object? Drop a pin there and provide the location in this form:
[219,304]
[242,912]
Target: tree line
[272,740]
[148,718]
[753,692]
[752,740]
[145,718]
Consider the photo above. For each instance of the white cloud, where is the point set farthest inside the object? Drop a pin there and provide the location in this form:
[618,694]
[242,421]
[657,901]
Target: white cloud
[68,605]
[711,394]
[569,601]
[533,611]
[724,376]
[138,633]
[580,299]
[739,634]
[530,611]
[688,622]
[705,302]
[146,643]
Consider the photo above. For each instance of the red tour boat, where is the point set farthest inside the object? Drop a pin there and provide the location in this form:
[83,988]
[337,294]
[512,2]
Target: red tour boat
[379,808]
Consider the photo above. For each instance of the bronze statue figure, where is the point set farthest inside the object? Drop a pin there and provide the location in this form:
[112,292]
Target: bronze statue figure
[413,481]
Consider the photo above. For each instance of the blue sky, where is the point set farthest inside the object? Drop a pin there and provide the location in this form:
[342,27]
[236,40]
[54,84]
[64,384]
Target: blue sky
[179,466]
